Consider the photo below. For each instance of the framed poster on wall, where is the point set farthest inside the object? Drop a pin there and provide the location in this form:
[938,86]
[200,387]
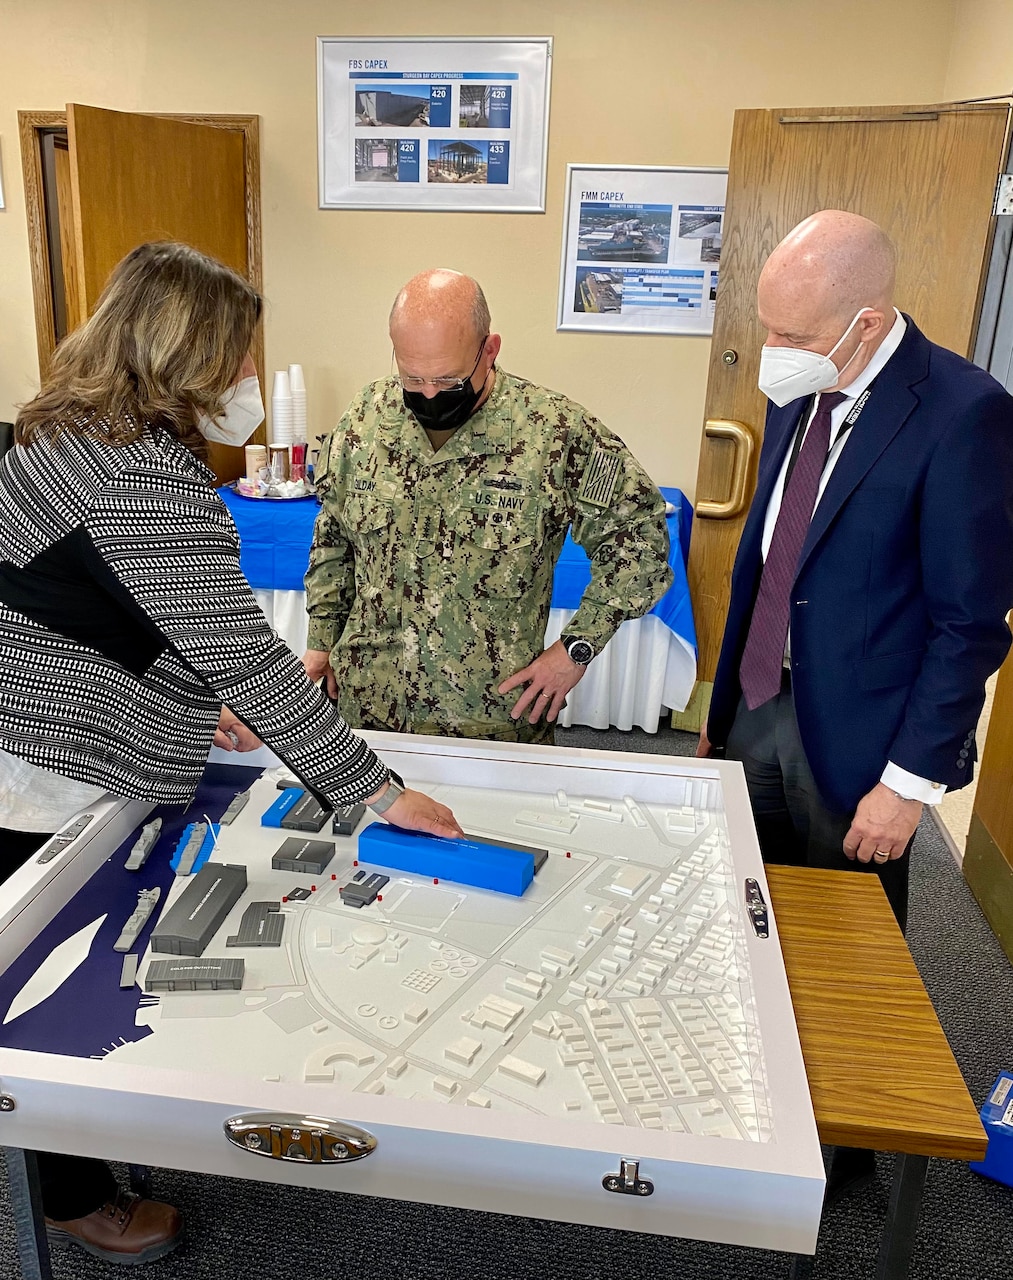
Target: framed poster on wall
[641,245]
[440,123]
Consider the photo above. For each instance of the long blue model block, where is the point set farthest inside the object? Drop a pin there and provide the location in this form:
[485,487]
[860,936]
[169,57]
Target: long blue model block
[465,861]
[288,799]
[997,1117]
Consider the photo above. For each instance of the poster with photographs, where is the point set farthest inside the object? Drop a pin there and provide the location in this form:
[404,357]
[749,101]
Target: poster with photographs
[641,247]
[433,123]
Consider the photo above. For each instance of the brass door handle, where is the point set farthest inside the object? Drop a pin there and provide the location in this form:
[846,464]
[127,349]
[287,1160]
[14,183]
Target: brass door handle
[742,438]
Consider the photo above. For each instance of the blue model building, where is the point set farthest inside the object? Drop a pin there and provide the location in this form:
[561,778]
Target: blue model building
[288,799]
[997,1117]
[468,861]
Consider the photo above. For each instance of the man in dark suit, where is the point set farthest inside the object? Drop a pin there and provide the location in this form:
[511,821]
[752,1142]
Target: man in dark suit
[875,570]
[860,633]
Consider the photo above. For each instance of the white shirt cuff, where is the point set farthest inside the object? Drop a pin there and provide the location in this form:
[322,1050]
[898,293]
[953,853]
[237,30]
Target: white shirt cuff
[910,786]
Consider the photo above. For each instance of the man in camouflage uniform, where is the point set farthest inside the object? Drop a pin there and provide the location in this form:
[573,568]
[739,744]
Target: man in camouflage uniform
[446,499]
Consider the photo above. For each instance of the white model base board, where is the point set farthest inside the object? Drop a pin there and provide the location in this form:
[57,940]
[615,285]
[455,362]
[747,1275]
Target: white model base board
[508,1052]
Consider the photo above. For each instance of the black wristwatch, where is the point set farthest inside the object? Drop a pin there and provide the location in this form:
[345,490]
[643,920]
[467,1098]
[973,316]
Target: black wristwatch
[578,650]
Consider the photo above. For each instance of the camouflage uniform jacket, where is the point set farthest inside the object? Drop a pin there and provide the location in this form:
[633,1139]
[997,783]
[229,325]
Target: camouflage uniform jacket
[430,574]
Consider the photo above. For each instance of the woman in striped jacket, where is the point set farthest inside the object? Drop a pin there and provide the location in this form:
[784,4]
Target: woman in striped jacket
[125,621]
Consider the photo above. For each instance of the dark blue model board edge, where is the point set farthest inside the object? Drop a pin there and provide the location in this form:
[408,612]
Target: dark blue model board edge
[90,1014]
[203,853]
[462,861]
[288,799]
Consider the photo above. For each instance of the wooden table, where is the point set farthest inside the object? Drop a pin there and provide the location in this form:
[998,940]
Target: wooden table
[881,1073]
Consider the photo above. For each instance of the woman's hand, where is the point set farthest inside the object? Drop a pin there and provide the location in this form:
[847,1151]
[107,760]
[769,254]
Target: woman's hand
[415,811]
[233,735]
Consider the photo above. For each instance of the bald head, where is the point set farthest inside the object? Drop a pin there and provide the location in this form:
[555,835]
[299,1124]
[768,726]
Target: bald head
[829,266]
[441,300]
[828,287]
[439,328]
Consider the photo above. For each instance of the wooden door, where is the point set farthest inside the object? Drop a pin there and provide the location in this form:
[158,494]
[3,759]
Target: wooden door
[928,177]
[136,178]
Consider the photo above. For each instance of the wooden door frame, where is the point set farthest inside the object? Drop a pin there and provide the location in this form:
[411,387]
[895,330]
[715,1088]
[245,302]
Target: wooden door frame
[31,126]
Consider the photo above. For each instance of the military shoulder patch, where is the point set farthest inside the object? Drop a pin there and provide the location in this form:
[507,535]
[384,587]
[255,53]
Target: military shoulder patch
[601,474]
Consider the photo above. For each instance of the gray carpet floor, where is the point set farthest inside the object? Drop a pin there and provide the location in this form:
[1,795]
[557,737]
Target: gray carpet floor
[253,1231]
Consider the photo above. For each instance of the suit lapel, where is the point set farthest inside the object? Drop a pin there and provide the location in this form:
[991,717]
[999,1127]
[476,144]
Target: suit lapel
[891,403]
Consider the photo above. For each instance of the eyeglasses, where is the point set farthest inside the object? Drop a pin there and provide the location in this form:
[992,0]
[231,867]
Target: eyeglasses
[411,383]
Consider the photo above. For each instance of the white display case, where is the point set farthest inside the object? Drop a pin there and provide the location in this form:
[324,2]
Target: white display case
[616,1046]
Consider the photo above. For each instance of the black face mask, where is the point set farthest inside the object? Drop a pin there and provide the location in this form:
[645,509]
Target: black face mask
[445,411]
[449,408]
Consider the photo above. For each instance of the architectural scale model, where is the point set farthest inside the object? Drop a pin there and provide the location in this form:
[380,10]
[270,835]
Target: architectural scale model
[612,990]
[606,1037]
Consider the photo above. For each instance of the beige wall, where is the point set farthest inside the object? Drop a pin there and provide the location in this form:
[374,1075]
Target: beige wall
[981,54]
[653,81]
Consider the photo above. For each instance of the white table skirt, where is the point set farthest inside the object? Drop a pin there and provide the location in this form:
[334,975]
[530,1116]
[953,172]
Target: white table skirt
[645,668]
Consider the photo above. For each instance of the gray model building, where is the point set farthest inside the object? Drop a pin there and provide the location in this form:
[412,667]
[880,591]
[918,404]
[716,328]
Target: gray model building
[308,856]
[261,926]
[209,974]
[194,918]
[347,819]
[307,814]
[361,890]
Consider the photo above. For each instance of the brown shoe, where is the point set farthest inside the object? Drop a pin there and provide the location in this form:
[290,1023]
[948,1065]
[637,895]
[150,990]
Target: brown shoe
[127,1229]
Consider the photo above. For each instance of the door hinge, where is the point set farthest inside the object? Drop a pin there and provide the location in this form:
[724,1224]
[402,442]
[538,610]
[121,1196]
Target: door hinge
[1003,195]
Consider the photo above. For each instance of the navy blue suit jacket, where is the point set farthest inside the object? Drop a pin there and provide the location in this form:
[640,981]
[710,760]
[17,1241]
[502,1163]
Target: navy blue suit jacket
[899,603]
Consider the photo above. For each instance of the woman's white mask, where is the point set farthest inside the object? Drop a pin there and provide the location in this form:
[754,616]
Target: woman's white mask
[242,413]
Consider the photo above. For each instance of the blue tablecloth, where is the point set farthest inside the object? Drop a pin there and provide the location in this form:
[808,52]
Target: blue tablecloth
[276,538]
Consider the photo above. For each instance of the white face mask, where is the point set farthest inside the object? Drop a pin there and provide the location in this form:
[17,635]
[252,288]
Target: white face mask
[242,414]
[786,373]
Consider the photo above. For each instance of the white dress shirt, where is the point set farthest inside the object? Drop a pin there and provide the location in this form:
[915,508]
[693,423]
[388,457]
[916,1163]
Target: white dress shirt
[906,784]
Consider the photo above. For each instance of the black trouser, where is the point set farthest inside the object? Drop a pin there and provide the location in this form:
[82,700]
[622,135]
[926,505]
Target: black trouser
[793,824]
[72,1186]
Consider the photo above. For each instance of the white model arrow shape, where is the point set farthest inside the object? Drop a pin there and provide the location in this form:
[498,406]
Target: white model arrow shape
[54,971]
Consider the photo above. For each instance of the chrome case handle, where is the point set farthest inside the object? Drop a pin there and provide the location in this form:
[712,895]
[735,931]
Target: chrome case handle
[308,1139]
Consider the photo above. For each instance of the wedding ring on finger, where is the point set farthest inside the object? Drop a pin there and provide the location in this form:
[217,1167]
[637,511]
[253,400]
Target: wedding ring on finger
[881,855]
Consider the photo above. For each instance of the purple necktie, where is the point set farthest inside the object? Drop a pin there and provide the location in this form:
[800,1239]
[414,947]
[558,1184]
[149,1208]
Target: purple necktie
[763,657]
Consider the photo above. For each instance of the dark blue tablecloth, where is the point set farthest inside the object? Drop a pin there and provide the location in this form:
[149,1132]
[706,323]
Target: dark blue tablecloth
[276,538]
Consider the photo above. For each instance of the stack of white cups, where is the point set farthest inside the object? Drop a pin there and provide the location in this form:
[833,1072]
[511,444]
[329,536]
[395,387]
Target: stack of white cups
[298,387]
[282,410]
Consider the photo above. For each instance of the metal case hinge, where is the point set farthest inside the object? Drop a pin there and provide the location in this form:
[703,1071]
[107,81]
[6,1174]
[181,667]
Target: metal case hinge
[1003,195]
[627,1182]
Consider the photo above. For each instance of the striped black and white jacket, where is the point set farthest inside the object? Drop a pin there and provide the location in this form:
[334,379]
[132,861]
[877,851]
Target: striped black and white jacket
[125,622]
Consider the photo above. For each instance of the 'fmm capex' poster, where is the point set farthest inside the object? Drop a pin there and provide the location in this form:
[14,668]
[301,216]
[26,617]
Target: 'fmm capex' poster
[433,124]
[640,249]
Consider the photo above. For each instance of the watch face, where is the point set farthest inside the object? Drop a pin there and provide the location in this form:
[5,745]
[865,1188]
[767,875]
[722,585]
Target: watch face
[580,651]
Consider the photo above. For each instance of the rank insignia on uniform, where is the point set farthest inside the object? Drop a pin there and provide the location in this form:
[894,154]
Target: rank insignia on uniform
[600,476]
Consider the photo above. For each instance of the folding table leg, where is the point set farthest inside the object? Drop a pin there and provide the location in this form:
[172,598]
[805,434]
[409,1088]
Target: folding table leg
[26,1202]
[897,1242]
